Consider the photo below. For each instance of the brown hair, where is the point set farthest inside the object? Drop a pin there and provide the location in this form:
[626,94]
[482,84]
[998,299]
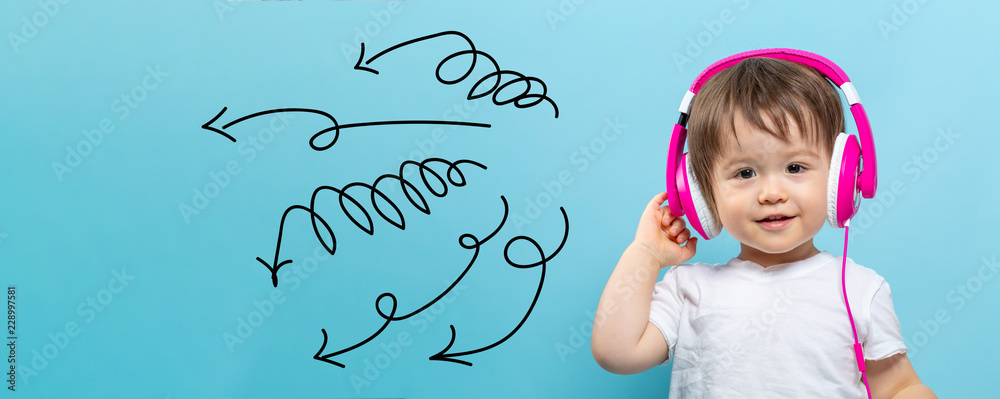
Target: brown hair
[760,90]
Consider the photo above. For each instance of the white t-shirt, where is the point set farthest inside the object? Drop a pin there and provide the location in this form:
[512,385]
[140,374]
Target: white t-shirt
[741,330]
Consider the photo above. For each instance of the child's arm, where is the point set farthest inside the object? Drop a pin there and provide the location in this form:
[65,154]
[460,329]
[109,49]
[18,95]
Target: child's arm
[894,377]
[623,340]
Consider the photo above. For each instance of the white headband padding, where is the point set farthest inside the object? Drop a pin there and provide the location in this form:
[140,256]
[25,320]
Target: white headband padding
[686,103]
[851,93]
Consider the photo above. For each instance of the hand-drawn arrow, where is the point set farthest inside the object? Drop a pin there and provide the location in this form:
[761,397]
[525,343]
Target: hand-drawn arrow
[361,57]
[368,226]
[525,99]
[208,125]
[335,128]
[476,243]
[326,357]
[451,357]
[332,249]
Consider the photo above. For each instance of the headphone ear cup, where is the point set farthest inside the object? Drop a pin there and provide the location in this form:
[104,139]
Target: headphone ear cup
[694,202]
[842,184]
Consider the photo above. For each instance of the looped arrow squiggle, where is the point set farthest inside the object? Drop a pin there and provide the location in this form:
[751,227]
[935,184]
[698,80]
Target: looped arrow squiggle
[524,99]
[379,199]
[467,241]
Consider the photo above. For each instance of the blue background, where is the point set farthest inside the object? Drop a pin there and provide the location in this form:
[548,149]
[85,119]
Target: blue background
[921,68]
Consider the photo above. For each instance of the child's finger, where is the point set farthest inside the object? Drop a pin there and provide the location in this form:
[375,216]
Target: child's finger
[667,219]
[657,200]
[676,226]
[691,248]
[683,236]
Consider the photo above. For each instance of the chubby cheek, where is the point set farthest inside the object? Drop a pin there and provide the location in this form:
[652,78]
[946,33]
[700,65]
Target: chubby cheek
[818,215]
[812,217]
[732,208]
[814,200]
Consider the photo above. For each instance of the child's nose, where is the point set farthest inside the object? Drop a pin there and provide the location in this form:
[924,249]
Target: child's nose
[772,191]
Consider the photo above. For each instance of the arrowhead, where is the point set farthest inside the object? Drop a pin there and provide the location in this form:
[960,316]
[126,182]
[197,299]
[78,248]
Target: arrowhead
[208,126]
[357,65]
[274,270]
[326,358]
[448,358]
[323,359]
[442,356]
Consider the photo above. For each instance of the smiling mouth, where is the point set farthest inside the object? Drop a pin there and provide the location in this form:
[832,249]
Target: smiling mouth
[774,219]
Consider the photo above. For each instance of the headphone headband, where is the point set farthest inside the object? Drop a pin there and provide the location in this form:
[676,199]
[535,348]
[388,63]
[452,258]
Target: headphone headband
[820,63]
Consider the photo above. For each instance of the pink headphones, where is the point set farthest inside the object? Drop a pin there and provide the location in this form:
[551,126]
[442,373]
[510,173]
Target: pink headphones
[848,174]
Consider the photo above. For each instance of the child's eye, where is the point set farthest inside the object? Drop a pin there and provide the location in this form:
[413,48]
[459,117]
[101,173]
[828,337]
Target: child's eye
[794,168]
[746,174]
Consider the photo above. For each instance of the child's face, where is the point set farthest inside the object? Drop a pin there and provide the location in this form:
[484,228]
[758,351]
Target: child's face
[762,176]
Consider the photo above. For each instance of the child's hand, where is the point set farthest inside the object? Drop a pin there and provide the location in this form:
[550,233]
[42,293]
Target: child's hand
[660,234]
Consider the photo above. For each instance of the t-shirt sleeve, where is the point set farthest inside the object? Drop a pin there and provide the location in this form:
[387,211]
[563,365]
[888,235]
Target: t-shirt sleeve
[885,338]
[665,309]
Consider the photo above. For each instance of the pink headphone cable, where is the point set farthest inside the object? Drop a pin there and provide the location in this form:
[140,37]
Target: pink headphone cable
[858,354]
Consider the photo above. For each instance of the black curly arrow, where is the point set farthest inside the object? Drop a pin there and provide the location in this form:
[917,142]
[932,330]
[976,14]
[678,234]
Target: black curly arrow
[475,244]
[451,357]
